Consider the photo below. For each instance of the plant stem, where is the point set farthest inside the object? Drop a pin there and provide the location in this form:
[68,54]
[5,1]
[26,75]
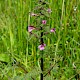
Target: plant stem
[42,68]
[41,36]
[42,55]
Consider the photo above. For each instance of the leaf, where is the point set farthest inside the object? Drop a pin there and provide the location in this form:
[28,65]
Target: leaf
[4,57]
[11,37]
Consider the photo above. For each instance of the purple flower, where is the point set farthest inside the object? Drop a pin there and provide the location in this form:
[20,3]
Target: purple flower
[52,30]
[41,47]
[43,21]
[30,28]
[49,10]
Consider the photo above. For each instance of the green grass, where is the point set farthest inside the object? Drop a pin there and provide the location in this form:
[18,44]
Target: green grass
[19,53]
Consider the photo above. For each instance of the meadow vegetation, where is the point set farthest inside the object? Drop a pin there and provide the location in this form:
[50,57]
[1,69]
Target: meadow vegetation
[19,53]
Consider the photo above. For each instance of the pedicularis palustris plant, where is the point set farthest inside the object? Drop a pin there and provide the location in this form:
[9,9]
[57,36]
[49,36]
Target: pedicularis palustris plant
[41,13]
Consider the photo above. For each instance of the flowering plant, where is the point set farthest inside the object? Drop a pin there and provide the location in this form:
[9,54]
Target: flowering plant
[41,15]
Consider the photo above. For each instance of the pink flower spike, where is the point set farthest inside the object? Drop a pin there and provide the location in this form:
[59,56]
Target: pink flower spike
[49,10]
[52,30]
[43,21]
[41,47]
[30,28]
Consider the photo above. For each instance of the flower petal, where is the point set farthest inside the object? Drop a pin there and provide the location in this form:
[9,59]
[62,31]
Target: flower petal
[30,28]
[52,30]
[41,47]
[49,10]
[44,21]
[33,14]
